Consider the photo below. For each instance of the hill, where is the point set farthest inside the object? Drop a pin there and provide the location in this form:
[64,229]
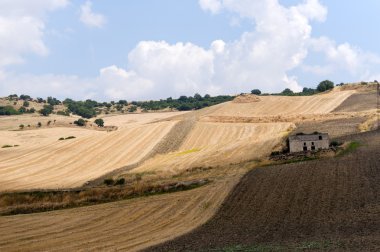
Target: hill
[326,204]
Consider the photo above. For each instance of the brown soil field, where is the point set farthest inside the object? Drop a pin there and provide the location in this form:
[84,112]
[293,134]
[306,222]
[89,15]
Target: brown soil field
[335,127]
[334,201]
[358,102]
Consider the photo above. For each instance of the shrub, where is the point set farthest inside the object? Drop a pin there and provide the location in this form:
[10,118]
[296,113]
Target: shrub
[99,122]
[120,181]
[63,113]
[47,110]
[39,124]
[70,137]
[325,85]
[7,146]
[48,123]
[21,126]
[25,104]
[335,143]
[8,110]
[109,181]
[22,110]
[80,122]
[256,92]
[132,109]
[60,139]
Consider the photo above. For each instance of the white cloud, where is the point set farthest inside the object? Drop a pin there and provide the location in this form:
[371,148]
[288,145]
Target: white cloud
[89,18]
[264,57]
[22,28]
[342,57]
[214,6]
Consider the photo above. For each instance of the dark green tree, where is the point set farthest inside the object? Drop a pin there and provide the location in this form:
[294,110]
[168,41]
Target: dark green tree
[256,92]
[99,122]
[325,85]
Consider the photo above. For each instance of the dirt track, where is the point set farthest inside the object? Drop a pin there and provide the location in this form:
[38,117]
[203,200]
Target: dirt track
[335,200]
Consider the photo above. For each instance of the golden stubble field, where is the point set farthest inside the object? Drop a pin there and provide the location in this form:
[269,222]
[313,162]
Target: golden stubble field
[41,161]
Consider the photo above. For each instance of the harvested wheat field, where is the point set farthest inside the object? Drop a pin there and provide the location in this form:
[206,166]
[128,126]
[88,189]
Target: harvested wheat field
[125,225]
[40,160]
[329,204]
[285,105]
[213,144]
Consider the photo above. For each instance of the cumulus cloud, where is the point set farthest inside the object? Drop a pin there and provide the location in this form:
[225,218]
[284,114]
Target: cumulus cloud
[214,6]
[342,57]
[264,57]
[22,28]
[89,18]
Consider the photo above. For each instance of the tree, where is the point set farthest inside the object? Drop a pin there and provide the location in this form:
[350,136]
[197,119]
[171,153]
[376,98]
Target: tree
[26,104]
[287,91]
[80,122]
[99,122]
[256,92]
[198,97]
[325,85]
[123,102]
[47,110]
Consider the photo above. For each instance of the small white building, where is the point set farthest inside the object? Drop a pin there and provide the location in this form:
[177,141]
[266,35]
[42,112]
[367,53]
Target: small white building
[309,142]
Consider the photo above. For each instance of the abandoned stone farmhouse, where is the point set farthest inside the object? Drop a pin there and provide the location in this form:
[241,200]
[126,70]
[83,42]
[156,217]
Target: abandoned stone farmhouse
[309,142]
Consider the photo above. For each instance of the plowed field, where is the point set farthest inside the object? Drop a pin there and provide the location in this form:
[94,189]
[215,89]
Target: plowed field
[334,201]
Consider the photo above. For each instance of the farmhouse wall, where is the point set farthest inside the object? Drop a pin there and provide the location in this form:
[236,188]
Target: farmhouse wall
[299,143]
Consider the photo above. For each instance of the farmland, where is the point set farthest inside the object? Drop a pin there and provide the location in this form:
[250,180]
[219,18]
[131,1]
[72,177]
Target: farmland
[219,143]
[332,200]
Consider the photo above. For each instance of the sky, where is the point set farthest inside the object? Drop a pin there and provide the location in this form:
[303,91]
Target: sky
[144,49]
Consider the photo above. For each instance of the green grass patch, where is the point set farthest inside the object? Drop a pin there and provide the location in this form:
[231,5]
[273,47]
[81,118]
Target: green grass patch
[188,152]
[352,146]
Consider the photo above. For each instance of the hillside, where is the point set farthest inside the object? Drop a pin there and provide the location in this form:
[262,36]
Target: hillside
[220,143]
[324,204]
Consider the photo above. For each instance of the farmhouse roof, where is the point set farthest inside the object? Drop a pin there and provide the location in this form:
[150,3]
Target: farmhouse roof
[308,137]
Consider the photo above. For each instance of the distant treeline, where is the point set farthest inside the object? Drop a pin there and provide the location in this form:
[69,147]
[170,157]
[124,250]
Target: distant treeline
[184,103]
[90,108]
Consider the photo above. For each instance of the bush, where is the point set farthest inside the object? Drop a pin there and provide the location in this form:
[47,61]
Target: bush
[325,85]
[70,137]
[109,181]
[60,139]
[99,122]
[21,126]
[287,91]
[120,181]
[335,143]
[25,104]
[132,109]
[80,122]
[8,110]
[256,92]
[39,124]
[63,113]
[47,110]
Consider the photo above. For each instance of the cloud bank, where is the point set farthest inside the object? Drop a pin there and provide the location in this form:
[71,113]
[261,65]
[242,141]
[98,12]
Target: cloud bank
[264,57]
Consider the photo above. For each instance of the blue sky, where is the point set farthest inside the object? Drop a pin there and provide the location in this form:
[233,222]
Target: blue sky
[146,49]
